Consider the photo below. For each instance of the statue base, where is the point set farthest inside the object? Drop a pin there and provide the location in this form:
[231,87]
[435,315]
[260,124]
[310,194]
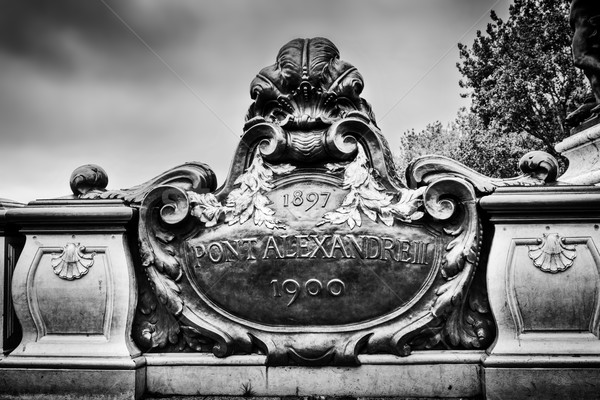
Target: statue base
[583,152]
[543,281]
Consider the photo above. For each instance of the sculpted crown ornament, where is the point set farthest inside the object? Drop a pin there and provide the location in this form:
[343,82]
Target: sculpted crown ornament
[313,250]
[304,93]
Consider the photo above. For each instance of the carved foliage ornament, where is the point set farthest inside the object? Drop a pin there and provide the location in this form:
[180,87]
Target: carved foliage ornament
[312,251]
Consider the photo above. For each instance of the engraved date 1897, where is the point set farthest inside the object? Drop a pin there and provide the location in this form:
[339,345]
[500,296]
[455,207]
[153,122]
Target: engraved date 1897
[313,288]
[298,198]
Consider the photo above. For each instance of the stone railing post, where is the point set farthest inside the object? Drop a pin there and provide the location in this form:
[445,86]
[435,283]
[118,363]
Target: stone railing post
[11,244]
[74,292]
[543,283]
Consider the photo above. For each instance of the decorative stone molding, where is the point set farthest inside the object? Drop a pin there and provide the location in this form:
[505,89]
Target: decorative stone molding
[538,169]
[193,176]
[582,151]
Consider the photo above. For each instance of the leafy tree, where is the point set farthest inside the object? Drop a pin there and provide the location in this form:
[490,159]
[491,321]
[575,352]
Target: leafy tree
[467,141]
[520,74]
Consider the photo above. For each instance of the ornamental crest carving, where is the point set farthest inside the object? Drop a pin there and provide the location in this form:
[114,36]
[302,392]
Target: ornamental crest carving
[313,251]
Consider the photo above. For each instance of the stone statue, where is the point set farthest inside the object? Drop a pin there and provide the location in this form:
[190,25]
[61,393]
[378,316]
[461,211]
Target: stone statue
[585,20]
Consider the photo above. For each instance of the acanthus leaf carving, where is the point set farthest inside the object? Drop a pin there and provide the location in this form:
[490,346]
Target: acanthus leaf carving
[461,317]
[155,325]
[471,325]
[161,307]
[446,198]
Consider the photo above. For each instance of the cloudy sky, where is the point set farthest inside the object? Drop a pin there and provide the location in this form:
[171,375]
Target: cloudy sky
[141,86]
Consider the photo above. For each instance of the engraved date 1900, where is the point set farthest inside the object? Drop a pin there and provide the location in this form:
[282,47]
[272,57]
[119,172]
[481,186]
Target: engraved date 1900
[313,287]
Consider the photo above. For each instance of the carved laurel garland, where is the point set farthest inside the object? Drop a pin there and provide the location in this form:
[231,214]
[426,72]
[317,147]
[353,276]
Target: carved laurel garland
[245,202]
[367,196]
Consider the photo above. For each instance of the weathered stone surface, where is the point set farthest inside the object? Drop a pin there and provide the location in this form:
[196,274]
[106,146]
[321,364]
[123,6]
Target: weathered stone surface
[423,374]
[313,271]
[543,285]
[57,383]
[583,152]
[74,292]
[530,382]
[313,251]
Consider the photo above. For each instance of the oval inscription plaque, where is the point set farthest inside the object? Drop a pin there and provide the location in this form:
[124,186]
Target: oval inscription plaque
[281,277]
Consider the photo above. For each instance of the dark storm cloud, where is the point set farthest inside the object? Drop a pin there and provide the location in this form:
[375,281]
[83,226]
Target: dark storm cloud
[39,29]
[77,86]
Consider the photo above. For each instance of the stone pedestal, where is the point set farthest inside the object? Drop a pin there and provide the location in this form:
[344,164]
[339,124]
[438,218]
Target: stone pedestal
[74,292]
[582,149]
[543,285]
[428,374]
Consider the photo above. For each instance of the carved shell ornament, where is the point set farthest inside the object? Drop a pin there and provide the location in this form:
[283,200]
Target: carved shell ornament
[552,254]
[73,262]
[305,92]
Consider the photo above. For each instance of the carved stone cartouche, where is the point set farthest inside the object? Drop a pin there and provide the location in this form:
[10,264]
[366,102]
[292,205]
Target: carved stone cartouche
[313,251]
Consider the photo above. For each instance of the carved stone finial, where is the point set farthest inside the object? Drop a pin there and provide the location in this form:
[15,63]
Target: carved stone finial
[300,100]
[307,87]
[87,178]
[539,165]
